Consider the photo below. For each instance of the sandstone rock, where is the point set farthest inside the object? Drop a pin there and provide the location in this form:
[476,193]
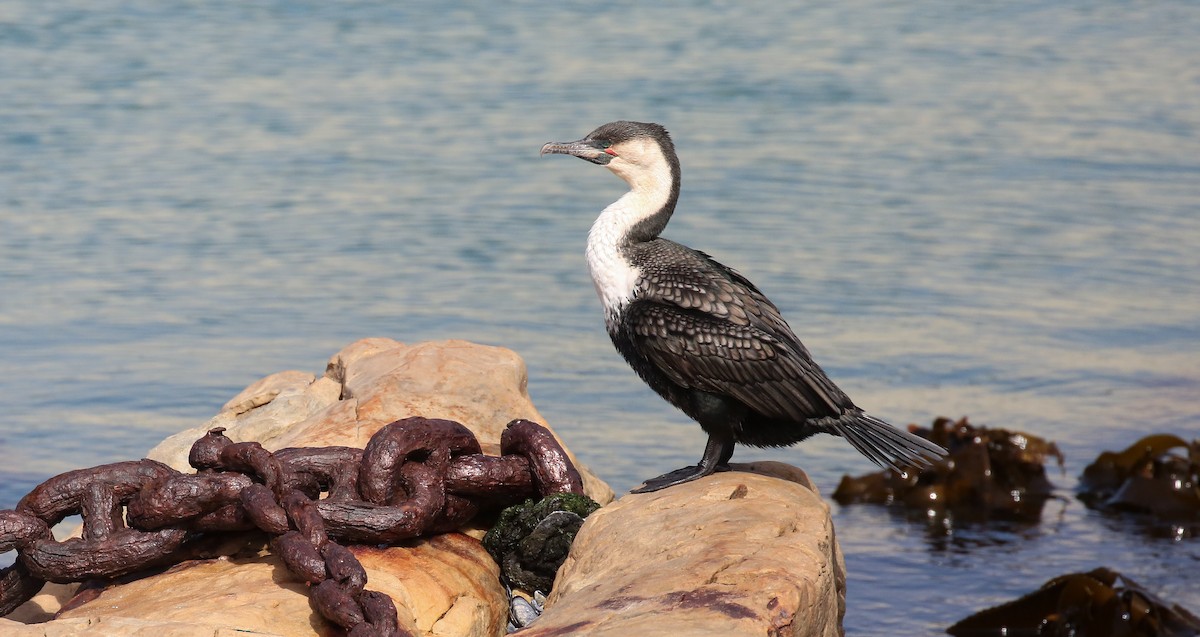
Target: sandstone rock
[268,389]
[445,585]
[371,383]
[735,553]
[121,627]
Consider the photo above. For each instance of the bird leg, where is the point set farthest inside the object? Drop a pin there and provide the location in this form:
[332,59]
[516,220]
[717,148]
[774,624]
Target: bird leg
[716,457]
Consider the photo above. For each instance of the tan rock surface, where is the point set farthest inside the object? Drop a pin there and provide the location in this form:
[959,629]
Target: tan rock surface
[443,586]
[446,585]
[735,553]
[121,627]
[371,383]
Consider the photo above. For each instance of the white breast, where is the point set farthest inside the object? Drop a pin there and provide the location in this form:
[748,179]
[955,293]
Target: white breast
[613,276]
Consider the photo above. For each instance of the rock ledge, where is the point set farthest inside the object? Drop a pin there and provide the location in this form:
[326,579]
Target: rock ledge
[748,552]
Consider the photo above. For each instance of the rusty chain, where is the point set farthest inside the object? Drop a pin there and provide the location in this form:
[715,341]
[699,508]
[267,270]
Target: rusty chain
[415,477]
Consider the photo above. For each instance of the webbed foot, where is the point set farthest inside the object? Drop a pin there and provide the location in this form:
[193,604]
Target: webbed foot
[678,476]
[716,458]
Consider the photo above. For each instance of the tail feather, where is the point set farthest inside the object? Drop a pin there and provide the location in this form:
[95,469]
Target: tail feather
[867,446]
[885,445]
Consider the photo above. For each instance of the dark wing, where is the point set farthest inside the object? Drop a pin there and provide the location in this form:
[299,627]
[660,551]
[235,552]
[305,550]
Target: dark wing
[707,327]
[710,328]
[700,351]
[677,275]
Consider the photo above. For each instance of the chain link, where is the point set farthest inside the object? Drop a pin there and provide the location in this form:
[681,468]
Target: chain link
[415,477]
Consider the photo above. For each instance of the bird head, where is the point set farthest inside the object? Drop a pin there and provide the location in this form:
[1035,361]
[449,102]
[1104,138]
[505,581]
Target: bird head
[640,153]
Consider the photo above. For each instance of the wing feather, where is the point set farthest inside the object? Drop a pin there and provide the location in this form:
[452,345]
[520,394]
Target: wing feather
[706,327]
[698,351]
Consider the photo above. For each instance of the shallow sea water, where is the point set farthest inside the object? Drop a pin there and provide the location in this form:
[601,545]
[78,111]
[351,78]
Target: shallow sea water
[963,209]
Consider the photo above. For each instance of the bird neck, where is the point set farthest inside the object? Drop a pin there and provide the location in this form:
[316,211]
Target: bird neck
[637,217]
[642,213]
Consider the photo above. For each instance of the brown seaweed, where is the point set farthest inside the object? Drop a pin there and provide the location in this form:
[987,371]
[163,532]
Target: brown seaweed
[1099,603]
[988,472]
[1158,476]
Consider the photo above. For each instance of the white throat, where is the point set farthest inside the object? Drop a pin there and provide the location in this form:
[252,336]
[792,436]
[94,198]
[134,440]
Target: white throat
[642,165]
[614,277]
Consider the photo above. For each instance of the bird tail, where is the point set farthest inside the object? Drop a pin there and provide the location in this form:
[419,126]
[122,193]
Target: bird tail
[885,445]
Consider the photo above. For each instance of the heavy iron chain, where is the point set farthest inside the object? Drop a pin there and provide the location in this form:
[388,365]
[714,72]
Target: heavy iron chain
[415,477]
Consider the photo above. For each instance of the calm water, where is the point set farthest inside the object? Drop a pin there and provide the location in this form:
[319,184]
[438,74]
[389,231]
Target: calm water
[963,209]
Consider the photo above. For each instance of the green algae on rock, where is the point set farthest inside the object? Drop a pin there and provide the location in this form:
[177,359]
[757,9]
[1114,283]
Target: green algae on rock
[530,541]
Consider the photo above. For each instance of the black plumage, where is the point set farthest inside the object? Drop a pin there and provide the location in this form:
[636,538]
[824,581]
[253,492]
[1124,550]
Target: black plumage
[703,336]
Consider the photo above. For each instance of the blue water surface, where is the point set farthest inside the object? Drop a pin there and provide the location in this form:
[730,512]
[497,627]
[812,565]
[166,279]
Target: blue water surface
[963,208]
